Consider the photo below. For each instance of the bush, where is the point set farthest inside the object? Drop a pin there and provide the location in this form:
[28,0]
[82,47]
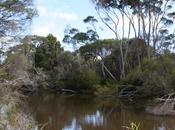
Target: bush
[4,75]
[84,80]
[135,77]
[106,90]
[156,76]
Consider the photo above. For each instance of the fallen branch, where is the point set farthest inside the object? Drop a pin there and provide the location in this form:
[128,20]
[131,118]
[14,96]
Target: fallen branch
[68,90]
[163,106]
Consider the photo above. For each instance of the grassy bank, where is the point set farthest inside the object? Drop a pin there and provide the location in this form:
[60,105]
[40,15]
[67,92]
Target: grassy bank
[12,113]
[13,116]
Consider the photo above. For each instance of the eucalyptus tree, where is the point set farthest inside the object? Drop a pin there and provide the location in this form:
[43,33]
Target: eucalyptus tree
[97,52]
[146,19]
[47,53]
[15,15]
[91,20]
[77,38]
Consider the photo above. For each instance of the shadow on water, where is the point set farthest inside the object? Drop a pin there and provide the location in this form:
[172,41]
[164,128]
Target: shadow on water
[88,113]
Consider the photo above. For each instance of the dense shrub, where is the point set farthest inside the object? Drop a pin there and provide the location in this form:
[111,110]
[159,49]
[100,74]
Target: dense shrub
[84,80]
[157,76]
[4,74]
[135,77]
[173,79]
[107,89]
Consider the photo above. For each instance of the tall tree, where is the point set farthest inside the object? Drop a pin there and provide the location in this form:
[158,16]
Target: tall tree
[15,15]
[77,38]
[145,18]
[98,51]
[47,52]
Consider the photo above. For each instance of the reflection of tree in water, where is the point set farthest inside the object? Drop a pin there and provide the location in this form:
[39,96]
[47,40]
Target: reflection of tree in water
[73,126]
[76,113]
[96,119]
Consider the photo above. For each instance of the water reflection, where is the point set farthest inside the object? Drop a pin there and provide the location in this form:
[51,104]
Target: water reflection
[77,113]
[96,119]
[73,126]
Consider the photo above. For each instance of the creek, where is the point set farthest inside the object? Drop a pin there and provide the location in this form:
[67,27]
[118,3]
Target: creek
[90,113]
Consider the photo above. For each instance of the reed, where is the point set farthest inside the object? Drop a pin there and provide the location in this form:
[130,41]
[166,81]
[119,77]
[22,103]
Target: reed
[133,126]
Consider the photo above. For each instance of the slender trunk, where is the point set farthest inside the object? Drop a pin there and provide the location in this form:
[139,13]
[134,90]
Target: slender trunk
[108,71]
[127,46]
[121,50]
[149,34]
[103,69]
[139,26]
[139,60]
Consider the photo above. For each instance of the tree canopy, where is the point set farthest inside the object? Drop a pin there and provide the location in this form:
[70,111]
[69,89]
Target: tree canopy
[15,15]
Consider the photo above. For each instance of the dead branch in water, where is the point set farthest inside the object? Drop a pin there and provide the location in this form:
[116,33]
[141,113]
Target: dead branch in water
[163,106]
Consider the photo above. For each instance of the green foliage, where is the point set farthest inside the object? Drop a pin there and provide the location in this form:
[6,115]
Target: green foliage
[11,116]
[156,76]
[90,19]
[135,77]
[97,49]
[76,38]
[47,53]
[108,89]
[15,15]
[84,80]
[82,70]
[71,73]
[134,50]
[67,65]
[173,79]
[4,74]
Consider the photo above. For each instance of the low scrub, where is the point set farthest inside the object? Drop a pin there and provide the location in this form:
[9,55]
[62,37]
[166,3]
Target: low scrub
[155,76]
[106,90]
[85,80]
[12,116]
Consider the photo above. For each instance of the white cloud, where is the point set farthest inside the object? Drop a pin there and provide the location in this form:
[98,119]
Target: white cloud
[67,16]
[59,14]
[42,31]
[52,19]
[56,14]
[45,29]
[42,11]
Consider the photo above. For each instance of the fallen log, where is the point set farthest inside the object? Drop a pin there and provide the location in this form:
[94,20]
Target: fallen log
[68,90]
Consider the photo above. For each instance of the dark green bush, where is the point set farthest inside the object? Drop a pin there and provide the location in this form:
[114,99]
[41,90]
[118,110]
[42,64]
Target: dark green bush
[173,79]
[135,77]
[84,80]
[107,89]
[156,76]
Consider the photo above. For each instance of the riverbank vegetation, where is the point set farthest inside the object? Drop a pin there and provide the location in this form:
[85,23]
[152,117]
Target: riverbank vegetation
[139,62]
[142,64]
[93,68]
[13,117]
[15,15]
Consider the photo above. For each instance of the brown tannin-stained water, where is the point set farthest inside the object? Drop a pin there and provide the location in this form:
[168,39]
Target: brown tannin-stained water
[87,113]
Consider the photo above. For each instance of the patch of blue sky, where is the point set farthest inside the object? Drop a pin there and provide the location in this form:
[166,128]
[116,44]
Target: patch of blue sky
[55,15]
